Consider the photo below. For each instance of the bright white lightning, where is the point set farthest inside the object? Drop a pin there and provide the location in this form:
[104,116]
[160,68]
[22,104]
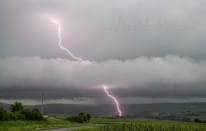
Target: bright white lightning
[84,62]
[65,49]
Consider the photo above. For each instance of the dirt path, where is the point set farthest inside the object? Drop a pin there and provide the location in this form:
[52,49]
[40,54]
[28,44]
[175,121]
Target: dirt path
[68,129]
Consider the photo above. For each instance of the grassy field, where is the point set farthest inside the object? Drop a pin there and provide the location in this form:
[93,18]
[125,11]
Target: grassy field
[36,125]
[148,125]
[106,125]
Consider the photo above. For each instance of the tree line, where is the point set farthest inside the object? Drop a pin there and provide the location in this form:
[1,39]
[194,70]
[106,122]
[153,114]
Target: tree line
[18,112]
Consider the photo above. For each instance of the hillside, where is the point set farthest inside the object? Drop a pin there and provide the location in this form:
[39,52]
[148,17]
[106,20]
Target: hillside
[186,111]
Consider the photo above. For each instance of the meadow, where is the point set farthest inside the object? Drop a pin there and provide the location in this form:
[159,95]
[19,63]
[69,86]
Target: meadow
[103,124]
[37,125]
[148,125]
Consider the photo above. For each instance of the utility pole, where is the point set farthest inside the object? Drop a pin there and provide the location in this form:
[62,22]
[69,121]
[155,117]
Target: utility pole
[42,103]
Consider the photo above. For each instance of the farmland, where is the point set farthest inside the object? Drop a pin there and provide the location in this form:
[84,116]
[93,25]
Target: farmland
[105,124]
[148,125]
[37,125]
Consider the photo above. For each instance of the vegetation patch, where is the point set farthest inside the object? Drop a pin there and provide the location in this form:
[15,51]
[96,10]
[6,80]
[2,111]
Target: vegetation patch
[17,112]
[80,118]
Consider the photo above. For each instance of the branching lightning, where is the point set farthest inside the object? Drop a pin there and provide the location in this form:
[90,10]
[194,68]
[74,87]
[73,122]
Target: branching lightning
[59,31]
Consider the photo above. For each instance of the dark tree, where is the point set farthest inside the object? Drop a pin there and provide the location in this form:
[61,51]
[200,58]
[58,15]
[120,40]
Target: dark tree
[16,107]
[3,114]
[88,116]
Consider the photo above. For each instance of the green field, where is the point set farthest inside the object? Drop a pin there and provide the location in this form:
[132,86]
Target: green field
[36,125]
[148,125]
[106,125]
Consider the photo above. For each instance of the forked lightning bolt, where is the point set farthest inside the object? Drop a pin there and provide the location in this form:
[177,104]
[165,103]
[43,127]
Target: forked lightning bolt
[59,31]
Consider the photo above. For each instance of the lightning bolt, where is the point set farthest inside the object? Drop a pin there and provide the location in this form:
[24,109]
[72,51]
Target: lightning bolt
[114,99]
[59,31]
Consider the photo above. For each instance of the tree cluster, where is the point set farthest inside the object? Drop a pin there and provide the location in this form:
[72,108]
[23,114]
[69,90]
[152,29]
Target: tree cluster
[80,118]
[199,121]
[18,112]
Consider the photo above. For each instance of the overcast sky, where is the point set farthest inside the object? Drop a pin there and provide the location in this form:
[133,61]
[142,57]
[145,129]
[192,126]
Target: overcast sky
[146,51]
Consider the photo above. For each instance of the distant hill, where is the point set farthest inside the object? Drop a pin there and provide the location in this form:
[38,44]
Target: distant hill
[183,111]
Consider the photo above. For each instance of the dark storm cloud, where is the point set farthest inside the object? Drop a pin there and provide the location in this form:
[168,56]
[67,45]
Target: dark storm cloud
[150,91]
[170,76]
[164,91]
[49,93]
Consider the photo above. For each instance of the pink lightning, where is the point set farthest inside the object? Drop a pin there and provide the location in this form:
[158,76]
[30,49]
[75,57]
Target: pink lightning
[113,98]
[84,62]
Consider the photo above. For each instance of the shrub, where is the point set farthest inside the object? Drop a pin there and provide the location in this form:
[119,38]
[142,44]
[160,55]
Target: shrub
[198,120]
[80,118]
[34,114]
[88,116]
[18,115]
[3,114]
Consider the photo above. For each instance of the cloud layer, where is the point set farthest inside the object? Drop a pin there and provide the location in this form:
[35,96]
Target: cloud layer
[147,49]
[140,72]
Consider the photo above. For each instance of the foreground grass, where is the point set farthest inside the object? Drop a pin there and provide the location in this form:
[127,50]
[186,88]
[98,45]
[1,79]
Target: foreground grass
[108,124]
[36,125]
[149,125]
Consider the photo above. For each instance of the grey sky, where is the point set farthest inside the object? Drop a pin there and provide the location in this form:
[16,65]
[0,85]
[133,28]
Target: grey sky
[149,49]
